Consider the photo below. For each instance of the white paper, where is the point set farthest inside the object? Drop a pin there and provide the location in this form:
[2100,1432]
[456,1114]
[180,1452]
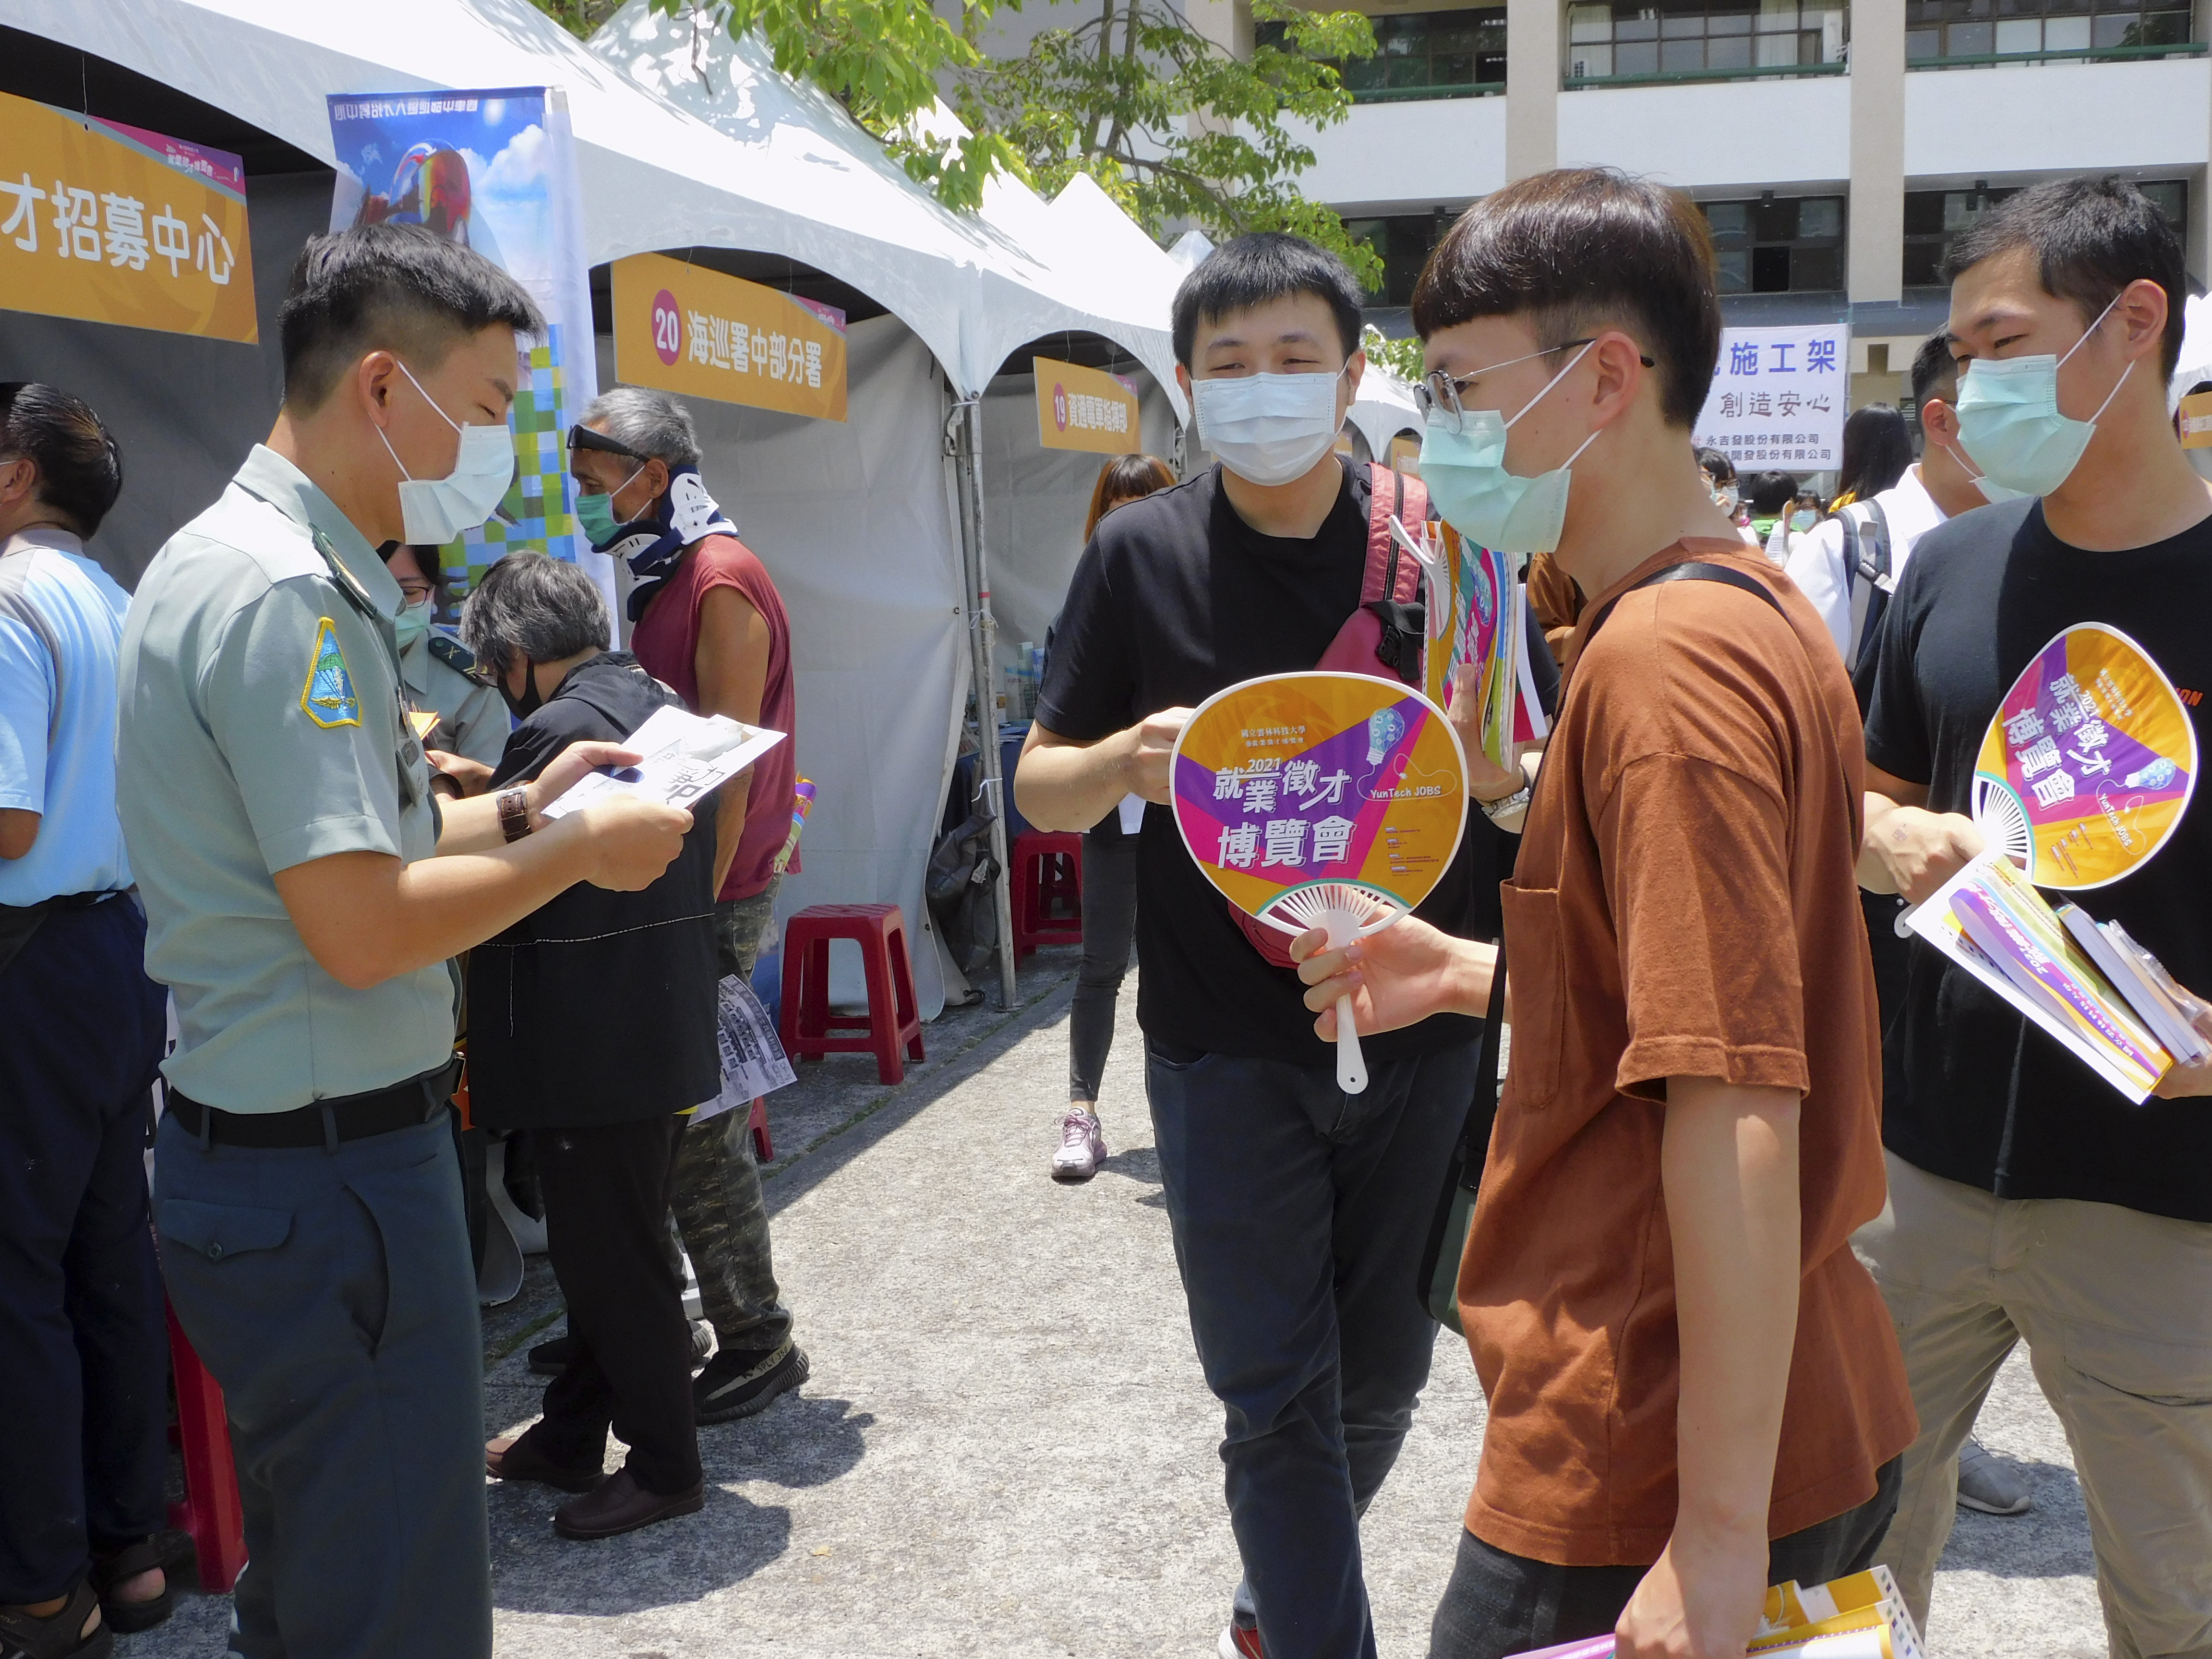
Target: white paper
[685,756]
[1133,814]
[753,1060]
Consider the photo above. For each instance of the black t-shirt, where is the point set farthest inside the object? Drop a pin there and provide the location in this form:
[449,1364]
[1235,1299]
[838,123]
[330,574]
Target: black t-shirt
[1974,1092]
[1175,597]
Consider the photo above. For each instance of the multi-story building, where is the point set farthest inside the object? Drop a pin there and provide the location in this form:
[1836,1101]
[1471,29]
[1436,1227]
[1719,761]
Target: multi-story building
[1837,146]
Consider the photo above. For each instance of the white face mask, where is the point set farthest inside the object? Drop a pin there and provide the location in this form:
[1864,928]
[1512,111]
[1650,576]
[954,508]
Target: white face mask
[1268,428]
[433,511]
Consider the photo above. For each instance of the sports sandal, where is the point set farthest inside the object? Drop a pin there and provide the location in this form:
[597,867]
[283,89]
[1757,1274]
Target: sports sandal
[56,1636]
[126,1618]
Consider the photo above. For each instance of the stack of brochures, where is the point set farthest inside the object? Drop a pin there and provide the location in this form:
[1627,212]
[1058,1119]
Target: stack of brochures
[2100,994]
[1861,1617]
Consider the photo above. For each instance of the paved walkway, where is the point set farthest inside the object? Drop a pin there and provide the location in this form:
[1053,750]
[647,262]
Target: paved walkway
[1007,1448]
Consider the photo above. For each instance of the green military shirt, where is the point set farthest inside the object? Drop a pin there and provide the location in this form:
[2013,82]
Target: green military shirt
[471,717]
[260,727]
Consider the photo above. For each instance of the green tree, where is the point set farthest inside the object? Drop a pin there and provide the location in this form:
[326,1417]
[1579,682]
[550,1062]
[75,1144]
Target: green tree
[1172,126]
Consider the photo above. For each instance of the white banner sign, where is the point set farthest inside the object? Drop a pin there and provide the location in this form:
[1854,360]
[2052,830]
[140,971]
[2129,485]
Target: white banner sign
[1780,398]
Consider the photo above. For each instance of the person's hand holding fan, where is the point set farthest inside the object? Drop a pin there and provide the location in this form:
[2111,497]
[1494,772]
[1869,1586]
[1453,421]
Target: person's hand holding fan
[1322,800]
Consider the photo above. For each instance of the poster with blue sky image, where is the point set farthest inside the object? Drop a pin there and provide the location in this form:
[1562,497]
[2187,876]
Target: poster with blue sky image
[494,170]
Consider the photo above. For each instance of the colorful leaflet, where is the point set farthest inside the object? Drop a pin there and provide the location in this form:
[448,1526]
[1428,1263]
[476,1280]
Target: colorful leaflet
[1990,920]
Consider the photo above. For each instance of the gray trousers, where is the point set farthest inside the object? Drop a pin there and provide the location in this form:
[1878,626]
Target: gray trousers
[719,1207]
[330,1294]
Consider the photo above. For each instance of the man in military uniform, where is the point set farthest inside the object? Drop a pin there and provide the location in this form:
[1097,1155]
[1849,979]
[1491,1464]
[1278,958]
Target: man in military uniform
[438,673]
[303,892]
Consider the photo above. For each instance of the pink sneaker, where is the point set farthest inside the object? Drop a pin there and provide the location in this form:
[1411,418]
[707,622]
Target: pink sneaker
[1082,1147]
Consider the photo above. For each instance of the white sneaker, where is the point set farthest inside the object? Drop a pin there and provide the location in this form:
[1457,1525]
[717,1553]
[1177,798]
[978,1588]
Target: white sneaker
[1082,1147]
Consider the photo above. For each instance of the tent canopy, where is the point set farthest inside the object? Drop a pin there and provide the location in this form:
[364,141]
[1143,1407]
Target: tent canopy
[784,171]
[1031,269]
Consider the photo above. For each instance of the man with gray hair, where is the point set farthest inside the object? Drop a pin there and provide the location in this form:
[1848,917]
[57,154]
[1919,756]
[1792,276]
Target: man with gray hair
[709,623]
[593,1027]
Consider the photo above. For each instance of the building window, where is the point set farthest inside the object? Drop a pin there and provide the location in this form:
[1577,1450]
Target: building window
[1937,30]
[1423,54]
[1405,243]
[1935,218]
[1617,40]
[1792,245]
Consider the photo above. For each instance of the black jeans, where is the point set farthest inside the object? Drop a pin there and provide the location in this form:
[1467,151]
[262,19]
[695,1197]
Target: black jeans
[1498,1603]
[1109,923]
[606,1204]
[1300,1214]
[84,1353]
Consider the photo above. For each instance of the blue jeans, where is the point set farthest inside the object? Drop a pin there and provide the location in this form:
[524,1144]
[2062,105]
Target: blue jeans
[329,1293]
[1300,1216]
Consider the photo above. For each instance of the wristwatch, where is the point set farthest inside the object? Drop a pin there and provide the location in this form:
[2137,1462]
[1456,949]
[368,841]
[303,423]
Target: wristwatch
[514,812]
[1505,808]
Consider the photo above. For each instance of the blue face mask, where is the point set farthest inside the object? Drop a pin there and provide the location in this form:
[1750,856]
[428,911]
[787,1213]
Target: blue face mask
[1463,466]
[2008,418]
[596,513]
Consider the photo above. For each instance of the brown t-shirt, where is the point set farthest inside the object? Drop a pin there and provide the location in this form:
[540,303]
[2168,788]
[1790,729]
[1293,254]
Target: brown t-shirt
[1683,905]
[1557,599]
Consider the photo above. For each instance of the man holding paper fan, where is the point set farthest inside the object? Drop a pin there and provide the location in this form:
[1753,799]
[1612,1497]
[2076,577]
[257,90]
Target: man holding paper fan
[1694,1389]
[2029,1200]
[1300,1211]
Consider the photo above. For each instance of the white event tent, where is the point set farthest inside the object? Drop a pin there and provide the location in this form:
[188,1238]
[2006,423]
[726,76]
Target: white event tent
[861,523]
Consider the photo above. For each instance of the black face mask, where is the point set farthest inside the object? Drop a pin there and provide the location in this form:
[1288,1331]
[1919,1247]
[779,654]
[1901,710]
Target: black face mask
[530,701]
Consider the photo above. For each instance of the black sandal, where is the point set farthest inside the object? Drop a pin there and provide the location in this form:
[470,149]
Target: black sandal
[128,1618]
[56,1636]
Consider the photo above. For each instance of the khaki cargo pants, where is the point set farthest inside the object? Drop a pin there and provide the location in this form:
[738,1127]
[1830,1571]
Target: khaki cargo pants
[2115,1308]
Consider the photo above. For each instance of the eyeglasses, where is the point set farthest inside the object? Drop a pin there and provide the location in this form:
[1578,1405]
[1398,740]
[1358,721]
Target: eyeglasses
[1438,392]
[415,590]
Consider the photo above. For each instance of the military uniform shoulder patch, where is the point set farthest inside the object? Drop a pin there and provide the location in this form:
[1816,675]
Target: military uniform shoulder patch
[451,652]
[328,697]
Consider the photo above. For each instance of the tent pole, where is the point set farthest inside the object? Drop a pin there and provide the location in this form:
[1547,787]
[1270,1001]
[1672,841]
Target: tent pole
[964,441]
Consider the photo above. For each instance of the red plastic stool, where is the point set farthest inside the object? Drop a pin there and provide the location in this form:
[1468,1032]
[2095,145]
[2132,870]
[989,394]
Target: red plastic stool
[810,1028]
[210,1510]
[763,1148]
[1047,890]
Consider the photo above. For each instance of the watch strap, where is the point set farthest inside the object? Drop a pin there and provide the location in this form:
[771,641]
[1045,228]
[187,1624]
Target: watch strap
[513,813]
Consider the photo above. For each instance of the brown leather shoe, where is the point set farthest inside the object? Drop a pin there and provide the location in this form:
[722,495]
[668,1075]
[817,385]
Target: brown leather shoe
[518,1460]
[621,1506]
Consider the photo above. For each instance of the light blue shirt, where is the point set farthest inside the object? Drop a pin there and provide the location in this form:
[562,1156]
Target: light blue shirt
[61,620]
[261,728]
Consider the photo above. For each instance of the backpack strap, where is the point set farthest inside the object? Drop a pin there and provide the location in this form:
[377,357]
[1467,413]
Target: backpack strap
[1690,570]
[1866,572]
[1391,587]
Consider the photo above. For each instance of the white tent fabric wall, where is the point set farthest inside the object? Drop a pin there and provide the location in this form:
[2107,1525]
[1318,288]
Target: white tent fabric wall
[1383,409]
[855,524]
[1034,501]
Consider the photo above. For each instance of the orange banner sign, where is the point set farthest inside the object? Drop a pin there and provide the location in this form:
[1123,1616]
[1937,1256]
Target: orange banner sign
[106,228]
[687,330]
[1080,408]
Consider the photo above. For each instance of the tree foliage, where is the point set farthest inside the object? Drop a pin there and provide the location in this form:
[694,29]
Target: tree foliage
[1172,125]
[1402,357]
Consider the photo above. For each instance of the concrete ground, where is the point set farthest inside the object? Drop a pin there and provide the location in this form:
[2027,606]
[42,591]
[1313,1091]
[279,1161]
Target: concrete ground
[1007,1448]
